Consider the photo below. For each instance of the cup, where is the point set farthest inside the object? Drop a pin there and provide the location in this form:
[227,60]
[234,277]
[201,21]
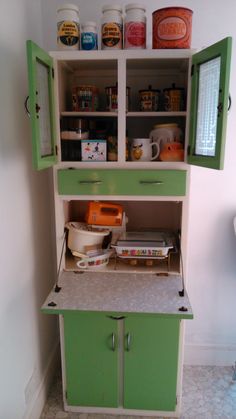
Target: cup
[143,149]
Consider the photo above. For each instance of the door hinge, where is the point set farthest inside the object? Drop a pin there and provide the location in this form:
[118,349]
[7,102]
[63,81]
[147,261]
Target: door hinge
[188,150]
[52,72]
[56,150]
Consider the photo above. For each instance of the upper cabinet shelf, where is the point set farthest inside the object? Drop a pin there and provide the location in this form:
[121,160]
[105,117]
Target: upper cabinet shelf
[105,100]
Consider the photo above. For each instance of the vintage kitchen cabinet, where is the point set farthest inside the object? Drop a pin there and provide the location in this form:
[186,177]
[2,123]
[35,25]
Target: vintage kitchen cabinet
[122,327]
[127,360]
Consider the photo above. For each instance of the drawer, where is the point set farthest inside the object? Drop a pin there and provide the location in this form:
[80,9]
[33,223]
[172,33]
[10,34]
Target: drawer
[121,182]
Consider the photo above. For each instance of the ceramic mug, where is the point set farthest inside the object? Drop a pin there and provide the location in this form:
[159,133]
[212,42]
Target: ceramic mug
[142,149]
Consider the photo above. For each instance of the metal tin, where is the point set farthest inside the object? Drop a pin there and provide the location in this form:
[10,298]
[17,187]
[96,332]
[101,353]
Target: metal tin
[149,99]
[85,98]
[172,27]
[174,99]
[112,98]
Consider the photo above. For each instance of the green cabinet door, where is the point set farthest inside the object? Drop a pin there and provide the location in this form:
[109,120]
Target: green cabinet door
[150,362]
[91,359]
[41,106]
[209,105]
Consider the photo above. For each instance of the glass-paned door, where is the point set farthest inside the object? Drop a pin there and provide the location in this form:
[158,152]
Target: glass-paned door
[41,106]
[209,105]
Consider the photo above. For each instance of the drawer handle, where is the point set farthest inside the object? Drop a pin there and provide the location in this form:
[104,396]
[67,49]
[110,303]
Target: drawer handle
[151,182]
[90,182]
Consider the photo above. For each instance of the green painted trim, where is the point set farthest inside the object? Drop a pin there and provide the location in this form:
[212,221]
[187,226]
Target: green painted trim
[222,49]
[122,182]
[34,55]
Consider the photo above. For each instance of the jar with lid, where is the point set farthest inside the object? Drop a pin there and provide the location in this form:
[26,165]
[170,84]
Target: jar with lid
[135,27]
[68,30]
[89,37]
[112,27]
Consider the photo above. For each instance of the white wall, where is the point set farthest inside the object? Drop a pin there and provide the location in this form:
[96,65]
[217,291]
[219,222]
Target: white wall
[211,336]
[27,337]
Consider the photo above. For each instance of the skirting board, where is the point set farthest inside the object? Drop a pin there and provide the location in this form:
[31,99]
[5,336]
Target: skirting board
[220,355]
[35,407]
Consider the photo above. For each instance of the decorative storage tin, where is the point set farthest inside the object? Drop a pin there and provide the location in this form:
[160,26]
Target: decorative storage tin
[85,98]
[149,99]
[174,99]
[112,98]
[172,28]
[94,150]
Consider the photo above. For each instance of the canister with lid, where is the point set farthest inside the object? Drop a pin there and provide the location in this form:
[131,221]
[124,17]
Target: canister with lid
[149,99]
[89,37]
[174,99]
[68,30]
[112,27]
[135,27]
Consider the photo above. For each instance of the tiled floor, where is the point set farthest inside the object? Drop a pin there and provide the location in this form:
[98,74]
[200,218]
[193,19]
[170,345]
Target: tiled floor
[208,393]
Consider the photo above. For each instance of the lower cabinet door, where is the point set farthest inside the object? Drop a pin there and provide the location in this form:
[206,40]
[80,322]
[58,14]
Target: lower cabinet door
[91,359]
[150,362]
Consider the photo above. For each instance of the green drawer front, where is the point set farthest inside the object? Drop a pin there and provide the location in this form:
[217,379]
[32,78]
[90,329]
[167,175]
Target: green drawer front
[122,182]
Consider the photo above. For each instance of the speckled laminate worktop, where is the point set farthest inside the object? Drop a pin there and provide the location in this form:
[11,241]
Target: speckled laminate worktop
[119,292]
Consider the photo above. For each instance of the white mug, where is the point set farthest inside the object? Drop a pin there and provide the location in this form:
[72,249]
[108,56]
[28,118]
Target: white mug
[142,149]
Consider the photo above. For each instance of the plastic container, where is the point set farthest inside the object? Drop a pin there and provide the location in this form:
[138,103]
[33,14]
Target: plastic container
[68,29]
[135,27]
[112,27]
[89,36]
[172,27]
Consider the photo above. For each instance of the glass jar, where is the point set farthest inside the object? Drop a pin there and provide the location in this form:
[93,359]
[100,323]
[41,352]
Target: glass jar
[68,30]
[135,27]
[112,27]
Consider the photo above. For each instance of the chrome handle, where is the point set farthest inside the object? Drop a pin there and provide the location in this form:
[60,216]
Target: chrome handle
[113,343]
[128,341]
[90,182]
[151,182]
